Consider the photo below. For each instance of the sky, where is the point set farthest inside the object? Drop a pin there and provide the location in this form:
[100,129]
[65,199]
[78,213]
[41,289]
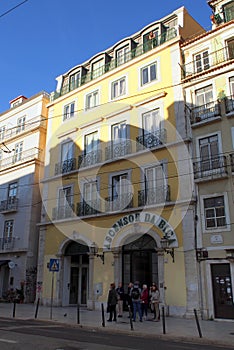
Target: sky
[42,39]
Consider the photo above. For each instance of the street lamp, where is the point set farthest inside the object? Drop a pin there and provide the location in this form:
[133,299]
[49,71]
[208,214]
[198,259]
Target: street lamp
[94,251]
[165,242]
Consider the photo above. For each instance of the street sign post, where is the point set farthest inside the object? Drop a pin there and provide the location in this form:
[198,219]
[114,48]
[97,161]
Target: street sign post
[53,267]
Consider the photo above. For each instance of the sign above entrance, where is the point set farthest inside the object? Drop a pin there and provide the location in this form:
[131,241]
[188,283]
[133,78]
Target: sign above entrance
[145,218]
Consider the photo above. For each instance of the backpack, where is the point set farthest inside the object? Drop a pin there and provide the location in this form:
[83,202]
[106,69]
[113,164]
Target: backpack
[135,293]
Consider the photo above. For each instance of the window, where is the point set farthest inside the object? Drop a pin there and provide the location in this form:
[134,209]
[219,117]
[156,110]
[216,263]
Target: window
[153,133]
[91,142]
[1,155]
[231,83]
[18,152]
[148,74]
[20,124]
[97,69]
[155,189]
[66,151]
[201,61]
[2,132]
[118,88]
[150,40]
[65,197]
[151,121]
[69,111]
[92,100]
[8,231]
[230,48]
[90,191]
[154,177]
[214,211]
[228,10]
[209,153]
[122,55]
[74,80]
[119,131]
[205,106]
[67,161]
[12,190]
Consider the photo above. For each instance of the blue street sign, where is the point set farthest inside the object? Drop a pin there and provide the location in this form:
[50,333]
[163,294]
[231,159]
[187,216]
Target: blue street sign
[54,265]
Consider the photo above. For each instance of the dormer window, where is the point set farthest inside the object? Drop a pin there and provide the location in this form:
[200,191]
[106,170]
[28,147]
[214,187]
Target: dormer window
[97,68]
[122,55]
[74,80]
[150,40]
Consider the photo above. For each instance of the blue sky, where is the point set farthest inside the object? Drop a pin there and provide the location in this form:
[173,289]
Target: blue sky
[42,39]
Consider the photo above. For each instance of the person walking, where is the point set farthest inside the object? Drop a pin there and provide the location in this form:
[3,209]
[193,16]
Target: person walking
[112,302]
[144,301]
[136,301]
[120,295]
[154,301]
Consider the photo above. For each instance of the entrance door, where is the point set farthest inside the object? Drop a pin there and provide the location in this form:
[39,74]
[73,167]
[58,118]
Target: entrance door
[222,291]
[78,285]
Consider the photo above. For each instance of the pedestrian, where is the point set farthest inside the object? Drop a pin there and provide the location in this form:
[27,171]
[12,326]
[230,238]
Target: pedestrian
[144,301]
[136,300]
[154,301]
[120,295]
[112,302]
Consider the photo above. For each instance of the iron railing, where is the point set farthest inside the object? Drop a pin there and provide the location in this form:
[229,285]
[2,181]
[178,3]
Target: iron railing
[229,104]
[118,149]
[210,167]
[19,158]
[118,203]
[215,58]
[205,112]
[63,212]
[65,167]
[151,140]
[10,204]
[90,158]
[86,208]
[114,63]
[157,195]
[7,243]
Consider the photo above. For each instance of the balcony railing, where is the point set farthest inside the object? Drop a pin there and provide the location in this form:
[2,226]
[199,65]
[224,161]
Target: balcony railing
[210,167]
[229,104]
[151,140]
[7,243]
[118,203]
[116,150]
[215,58]
[85,208]
[90,158]
[65,167]
[63,212]
[9,205]
[136,52]
[30,154]
[157,195]
[205,112]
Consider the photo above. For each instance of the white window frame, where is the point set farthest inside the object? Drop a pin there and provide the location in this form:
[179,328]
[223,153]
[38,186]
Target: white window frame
[12,190]
[66,203]
[8,230]
[69,111]
[118,89]
[93,146]
[100,63]
[118,174]
[94,103]
[122,55]
[158,77]
[20,124]
[203,65]
[74,80]
[227,215]
[70,145]
[18,152]
[2,132]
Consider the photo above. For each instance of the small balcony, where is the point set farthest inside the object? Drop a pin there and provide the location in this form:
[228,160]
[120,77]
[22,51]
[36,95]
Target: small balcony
[90,158]
[151,140]
[65,167]
[118,149]
[229,104]
[205,113]
[86,208]
[7,244]
[213,59]
[119,203]
[19,158]
[63,212]
[157,195]
[210,167]
[9,205]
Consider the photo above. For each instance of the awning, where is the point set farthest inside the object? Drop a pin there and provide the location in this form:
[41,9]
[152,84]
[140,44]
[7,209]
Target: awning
[4,262]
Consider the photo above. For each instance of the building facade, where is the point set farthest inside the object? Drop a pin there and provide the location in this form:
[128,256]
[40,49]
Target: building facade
[22,140]
[208,81]
[118,194]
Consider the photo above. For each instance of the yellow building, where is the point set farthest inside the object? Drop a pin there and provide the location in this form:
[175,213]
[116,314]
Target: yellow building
[118,190]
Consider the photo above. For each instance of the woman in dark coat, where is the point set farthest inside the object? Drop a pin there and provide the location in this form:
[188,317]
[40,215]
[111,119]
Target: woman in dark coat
[112,302]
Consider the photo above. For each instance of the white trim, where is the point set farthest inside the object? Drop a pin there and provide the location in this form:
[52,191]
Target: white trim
[158,75]
[90,92]
[116,80]
[205,136]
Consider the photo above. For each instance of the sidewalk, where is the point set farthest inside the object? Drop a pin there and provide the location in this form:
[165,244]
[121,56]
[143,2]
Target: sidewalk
[213,332]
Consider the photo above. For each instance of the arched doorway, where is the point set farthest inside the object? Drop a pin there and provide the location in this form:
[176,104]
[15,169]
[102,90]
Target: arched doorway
[140,261]
[76,268]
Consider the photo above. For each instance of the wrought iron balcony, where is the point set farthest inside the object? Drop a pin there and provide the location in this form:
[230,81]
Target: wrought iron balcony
[7,243]
[118,203]
[63,212]
[116,150]
[114,63]
[157,195]
[151,140]
[229,104]
[19,158]
[90,158]
[213,59]
[205,112]
[65,167]
[86,208]
[9,205]
[210,167]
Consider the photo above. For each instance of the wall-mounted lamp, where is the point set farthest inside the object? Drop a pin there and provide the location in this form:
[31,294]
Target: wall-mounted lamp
[165,242]
[94,251]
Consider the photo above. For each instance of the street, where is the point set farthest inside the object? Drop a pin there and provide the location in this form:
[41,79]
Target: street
[31,334]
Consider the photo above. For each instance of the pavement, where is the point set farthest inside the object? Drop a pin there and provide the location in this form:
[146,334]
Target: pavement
[218,332]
